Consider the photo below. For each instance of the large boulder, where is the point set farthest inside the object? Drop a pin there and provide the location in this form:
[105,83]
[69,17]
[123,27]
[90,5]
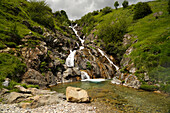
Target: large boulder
[34,77]
[76,95]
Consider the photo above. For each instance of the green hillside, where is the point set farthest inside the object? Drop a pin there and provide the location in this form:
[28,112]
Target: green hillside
[19,18]
[151,53]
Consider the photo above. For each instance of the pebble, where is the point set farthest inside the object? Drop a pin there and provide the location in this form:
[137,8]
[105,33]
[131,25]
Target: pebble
[62,107]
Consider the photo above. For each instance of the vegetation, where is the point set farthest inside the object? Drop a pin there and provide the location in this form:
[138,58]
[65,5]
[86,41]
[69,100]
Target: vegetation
[17,20]
[141,10]
[125,4]
[151,52]
[116,4]
[169,6]
[10,67]
[111,33]
[106,10]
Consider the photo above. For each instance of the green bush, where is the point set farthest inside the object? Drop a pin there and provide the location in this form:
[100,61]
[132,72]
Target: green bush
[111,33]
[106,10]
[116,4]
[149,87]
[2,46]
[125,4]
[62,17]
[11,44]
[165,88]
[10,67]
[142,9]
[40,12]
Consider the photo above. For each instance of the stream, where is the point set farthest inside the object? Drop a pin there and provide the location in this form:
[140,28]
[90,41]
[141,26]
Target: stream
[109,98]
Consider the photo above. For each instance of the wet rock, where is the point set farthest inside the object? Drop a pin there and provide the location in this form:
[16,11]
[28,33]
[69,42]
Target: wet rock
[116,81]
[68,72]
[76,95]
[76,71]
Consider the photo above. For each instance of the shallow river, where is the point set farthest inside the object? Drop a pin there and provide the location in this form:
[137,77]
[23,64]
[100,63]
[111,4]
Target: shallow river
[110,98]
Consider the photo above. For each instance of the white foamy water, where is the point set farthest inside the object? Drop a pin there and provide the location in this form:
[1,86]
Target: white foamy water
[70,59]
[102,53]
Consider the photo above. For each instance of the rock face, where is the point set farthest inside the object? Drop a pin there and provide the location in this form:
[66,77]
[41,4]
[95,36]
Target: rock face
[76,95]
[34,77]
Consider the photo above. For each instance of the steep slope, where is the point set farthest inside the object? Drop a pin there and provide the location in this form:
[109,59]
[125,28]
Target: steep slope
[140,46]
[41,48]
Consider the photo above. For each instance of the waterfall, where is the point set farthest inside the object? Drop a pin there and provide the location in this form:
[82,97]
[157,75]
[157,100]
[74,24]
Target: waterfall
[102,53]
[84,76]
[70,59]
[81,40]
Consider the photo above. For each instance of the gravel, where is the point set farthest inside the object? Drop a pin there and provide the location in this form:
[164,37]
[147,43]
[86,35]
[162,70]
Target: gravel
[62,107]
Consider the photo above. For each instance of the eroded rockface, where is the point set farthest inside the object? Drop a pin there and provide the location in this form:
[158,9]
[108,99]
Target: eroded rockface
[45,60]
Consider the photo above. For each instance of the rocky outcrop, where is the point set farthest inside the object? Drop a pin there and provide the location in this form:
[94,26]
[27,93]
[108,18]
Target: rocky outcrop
[76,95]
[34,77]
[32,97]
[132,81]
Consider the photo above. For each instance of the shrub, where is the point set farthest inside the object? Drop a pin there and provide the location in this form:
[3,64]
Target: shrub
[40,12]
[149,87]
[10,67]
[11,44]
[111,33]
[141,10]
[2,46]
[62,17]
[106,10]
[116,4]
[125,4]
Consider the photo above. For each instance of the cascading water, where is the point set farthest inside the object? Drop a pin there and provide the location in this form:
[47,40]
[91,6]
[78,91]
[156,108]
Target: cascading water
[84,76]
[70,59]
[102,53]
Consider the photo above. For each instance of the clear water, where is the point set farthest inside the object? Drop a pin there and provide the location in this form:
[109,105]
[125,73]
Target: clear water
[111,97]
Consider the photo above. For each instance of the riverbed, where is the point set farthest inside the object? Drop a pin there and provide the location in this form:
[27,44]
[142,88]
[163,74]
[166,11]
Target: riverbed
[111,98]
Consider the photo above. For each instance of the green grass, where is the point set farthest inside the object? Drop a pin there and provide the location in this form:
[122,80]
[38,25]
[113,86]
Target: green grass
[152,51]
[10,67]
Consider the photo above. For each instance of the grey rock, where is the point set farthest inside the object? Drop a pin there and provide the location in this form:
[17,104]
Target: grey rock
[14,97]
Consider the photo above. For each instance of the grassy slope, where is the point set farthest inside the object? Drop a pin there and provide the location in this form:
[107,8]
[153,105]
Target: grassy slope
[152,51]
[12,30]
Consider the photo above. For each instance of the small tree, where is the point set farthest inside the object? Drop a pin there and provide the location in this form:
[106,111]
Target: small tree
[106,10]
[125,4]
[142,9]
[116,4]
